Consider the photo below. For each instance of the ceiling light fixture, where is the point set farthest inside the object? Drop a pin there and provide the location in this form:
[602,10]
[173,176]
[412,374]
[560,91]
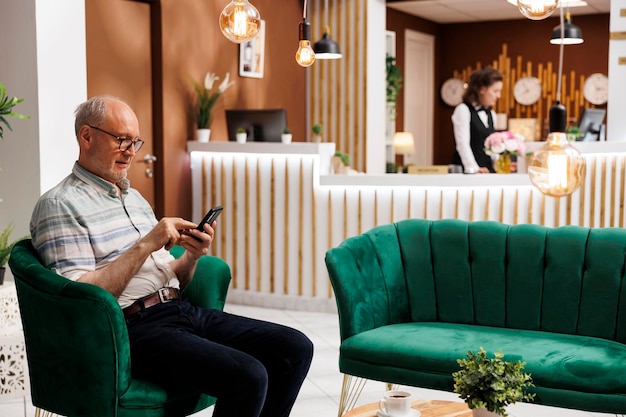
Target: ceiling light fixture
[557,168]
[326,48]
[572,35]
[305,57]
[565,3]
[537,9]
[240,21]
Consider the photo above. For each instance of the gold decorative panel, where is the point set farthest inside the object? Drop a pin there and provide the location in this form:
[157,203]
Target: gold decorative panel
[338,87]
[515,68]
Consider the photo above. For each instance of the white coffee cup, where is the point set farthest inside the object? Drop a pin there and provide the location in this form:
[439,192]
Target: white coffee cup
[395,403]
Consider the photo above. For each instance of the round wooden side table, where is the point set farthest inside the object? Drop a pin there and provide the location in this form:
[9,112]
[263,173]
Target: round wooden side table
[427,408]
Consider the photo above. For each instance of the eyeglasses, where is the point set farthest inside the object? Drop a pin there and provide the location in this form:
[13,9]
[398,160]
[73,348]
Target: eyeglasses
[125,142]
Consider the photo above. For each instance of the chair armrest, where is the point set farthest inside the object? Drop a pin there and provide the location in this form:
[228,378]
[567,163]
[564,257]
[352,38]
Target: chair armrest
[78,325]
[210,282]
[368,280]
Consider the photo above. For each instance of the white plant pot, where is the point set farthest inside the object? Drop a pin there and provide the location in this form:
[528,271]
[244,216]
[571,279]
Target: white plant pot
[285,137]
[203,135]
[241,137]
[483,412]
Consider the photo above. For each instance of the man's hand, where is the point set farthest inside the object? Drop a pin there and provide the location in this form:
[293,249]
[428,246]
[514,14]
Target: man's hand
[197,242]
[167,233]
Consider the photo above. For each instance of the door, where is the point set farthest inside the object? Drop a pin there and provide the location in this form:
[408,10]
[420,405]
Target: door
[119,64]
[419,87]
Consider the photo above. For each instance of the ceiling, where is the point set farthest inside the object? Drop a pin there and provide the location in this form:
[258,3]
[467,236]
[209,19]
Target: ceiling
[462,11]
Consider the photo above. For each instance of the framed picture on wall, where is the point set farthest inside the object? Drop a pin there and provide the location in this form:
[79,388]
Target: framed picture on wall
[252,55]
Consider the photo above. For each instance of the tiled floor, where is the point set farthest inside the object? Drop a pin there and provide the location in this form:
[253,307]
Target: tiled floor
[319,396]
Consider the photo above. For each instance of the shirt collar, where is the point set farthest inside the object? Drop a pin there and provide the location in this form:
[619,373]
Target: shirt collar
[100,183]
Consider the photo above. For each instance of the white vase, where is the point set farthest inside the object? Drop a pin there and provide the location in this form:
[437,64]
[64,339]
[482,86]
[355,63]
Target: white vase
[483,412]
[285,137]
[203,135]
[241,137]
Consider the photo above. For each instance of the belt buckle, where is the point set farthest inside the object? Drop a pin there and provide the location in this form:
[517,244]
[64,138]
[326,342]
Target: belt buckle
[164,292]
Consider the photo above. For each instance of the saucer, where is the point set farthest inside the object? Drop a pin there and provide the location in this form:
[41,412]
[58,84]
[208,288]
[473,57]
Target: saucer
[412,413]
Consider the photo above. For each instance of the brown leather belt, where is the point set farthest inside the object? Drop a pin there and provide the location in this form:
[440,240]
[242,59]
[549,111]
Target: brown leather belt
[164,295]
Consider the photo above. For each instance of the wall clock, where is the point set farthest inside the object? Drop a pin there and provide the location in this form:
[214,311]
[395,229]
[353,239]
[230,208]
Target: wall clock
[452,91]
[527,90]
[596,89]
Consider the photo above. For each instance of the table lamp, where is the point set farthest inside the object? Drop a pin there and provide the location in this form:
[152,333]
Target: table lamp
[403,144]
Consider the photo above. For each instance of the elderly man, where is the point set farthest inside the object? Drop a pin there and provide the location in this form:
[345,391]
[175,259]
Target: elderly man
[93,228]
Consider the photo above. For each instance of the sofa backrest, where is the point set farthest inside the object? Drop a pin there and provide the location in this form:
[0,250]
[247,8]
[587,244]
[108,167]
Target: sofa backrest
[567,279]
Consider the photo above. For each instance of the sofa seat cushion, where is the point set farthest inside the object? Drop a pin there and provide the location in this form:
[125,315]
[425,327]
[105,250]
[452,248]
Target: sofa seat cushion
[555,360]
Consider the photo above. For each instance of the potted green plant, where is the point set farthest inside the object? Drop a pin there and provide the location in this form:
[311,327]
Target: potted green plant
[341,163]
[206,98]
[488,385]
[241,135]
[5,249]
[6,109]
[317,133]
[394,83]
[286,136]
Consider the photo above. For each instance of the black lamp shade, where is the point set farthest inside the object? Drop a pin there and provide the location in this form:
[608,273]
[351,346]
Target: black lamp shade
[572,35]
[326,48]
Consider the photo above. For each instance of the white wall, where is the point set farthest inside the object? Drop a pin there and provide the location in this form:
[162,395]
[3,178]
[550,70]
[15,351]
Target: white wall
[43,61]
[616,122]
[376,96]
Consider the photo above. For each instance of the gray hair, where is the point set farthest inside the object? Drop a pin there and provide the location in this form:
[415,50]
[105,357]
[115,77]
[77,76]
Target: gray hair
[92,112]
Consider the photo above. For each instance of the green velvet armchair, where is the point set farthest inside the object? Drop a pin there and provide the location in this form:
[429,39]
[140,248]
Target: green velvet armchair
[77,343]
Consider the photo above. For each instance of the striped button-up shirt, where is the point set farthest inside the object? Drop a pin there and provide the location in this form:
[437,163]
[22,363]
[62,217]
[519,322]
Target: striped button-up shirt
[82,225]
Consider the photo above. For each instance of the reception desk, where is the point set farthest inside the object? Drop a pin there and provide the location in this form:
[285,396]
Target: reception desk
[284,209]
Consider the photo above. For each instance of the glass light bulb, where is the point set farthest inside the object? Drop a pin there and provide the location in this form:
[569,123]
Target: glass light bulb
[305,56]
[240,21]
[537,9]
[557,168]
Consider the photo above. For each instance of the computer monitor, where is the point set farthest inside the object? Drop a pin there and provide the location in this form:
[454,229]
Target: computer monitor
[262,125]
[590,124]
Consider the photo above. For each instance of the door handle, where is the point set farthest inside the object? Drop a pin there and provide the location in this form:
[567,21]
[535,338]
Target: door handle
[149,161]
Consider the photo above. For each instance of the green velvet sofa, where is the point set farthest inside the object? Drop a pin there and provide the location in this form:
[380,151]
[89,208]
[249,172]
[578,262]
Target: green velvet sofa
[416,295]
[77,343]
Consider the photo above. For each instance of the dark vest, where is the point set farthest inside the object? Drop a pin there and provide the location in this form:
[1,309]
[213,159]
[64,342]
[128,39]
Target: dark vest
[478,134]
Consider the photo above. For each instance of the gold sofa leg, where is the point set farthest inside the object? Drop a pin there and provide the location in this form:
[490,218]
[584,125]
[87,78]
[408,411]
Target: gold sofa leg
[350,392]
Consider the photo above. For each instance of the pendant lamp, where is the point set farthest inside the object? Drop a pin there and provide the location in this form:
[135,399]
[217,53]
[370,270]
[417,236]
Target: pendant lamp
[326,48]
[557,168]
[240,21]
[305,57]
[572,35]
[537,9]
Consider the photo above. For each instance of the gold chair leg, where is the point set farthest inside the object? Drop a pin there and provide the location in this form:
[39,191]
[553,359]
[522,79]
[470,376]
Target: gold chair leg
[350,392]
[391,387]
[39,412]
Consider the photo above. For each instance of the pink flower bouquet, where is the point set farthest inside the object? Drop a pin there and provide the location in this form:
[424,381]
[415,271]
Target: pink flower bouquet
[504,143]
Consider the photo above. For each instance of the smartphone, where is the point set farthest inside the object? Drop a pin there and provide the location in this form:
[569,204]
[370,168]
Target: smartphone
[209,218]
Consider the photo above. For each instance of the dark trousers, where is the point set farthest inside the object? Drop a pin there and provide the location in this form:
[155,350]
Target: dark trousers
[253,368]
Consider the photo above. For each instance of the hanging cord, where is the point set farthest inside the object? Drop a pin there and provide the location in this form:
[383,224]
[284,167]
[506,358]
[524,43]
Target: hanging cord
[561,47]
[326,16]
[304,11]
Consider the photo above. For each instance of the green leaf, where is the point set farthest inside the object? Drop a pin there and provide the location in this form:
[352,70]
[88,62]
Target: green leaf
[491,383]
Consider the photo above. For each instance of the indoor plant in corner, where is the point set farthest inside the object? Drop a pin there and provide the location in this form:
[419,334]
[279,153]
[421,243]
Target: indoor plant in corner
[488,385]
[5,249]
[206,97]
[6,109]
